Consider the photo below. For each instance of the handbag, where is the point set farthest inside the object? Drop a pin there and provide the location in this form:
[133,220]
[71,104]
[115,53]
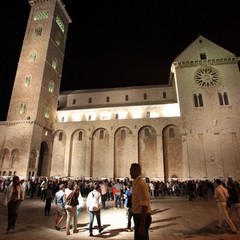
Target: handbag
[72,199]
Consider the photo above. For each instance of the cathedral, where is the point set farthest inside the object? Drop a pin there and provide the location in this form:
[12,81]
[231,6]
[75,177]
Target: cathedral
[187,129]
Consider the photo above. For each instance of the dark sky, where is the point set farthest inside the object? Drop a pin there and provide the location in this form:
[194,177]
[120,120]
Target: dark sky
[117,43]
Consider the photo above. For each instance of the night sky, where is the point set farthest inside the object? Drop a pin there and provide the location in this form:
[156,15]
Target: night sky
[119,43]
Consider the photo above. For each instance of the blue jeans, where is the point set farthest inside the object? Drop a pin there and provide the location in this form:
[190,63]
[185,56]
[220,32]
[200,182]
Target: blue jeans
[118,201]
[91,218]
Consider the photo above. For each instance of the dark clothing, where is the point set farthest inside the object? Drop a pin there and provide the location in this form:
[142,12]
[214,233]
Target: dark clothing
[137,220]
[13,207]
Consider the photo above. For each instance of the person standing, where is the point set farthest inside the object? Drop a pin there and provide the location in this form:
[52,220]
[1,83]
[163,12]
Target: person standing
[49,198]
[94,208]
[234,191]
[221,195]
[118,194]
[60,203]
[14,197]
[128,205]
[104,191]
[72,192]
[140,204]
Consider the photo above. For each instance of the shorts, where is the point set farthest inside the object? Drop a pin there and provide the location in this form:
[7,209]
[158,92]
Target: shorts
[61,211]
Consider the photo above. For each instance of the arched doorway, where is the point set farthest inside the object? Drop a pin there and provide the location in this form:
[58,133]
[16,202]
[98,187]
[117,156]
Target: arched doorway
[43,164]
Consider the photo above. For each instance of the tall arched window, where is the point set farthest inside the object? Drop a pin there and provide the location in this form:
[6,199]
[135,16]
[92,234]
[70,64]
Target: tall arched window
[51,86]
[223,98]
[198,100]
[60,136]
[80,136]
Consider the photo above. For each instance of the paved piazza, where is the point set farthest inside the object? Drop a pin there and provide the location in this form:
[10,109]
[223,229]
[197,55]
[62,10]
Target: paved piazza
[172,218]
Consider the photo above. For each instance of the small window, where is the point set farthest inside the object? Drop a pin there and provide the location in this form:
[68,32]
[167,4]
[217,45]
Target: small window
[116,116]
[74,101]
[126,97]
[38,31]
[32,57]
[164,95]
[123,135]
[101,134]
[22,108]
[47,113]
[148,114]
[89,118]
[60,136]
[80,136]
[203,56]
[54,63]
[63,118]
[58,39]
[107,99]
[27,80]
[51,86]
[90,100]
[145,96]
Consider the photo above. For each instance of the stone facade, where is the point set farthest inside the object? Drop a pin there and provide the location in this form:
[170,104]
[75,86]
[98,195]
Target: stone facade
[188,129]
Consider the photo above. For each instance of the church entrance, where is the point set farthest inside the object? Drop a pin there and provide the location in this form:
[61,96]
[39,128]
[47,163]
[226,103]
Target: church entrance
[43,164]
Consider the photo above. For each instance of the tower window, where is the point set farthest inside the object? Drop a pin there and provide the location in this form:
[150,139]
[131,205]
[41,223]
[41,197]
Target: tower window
[148,114]
[27,80]
[164,95]
[107,99]
[38,31]
[58,39]
[145,96]
[47,113]
[126,97]
[74,101]
[90,100]
[22,108]
[40,15]
[54,63]
[116,116]
[51,86]
[60,23]
[32,57]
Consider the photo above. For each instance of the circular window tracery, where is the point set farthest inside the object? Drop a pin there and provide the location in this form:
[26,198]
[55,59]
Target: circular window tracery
[207,76]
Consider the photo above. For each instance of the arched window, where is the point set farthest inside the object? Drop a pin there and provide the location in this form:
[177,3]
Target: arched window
[90,100]
[101,134]
[47,113]
[148,114]
[123,135]
[51,86]
[74,101]
[198,100]
[22,109]
[27,80]
[145,96]
[116,116]
[108,99]
[223,98]
[89,118]
[60,136]
[58,39]
[38,31]
[80,136]
[54,63]
[126,97]
[32,57]
[164,95]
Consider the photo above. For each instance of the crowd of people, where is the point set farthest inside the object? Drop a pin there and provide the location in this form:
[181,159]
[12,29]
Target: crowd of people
[68,195]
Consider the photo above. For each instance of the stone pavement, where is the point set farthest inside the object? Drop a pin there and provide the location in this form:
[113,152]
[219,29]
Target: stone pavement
[172,218]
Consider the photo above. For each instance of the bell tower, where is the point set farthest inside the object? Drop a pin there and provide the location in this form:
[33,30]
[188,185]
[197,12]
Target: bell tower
[34,100]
